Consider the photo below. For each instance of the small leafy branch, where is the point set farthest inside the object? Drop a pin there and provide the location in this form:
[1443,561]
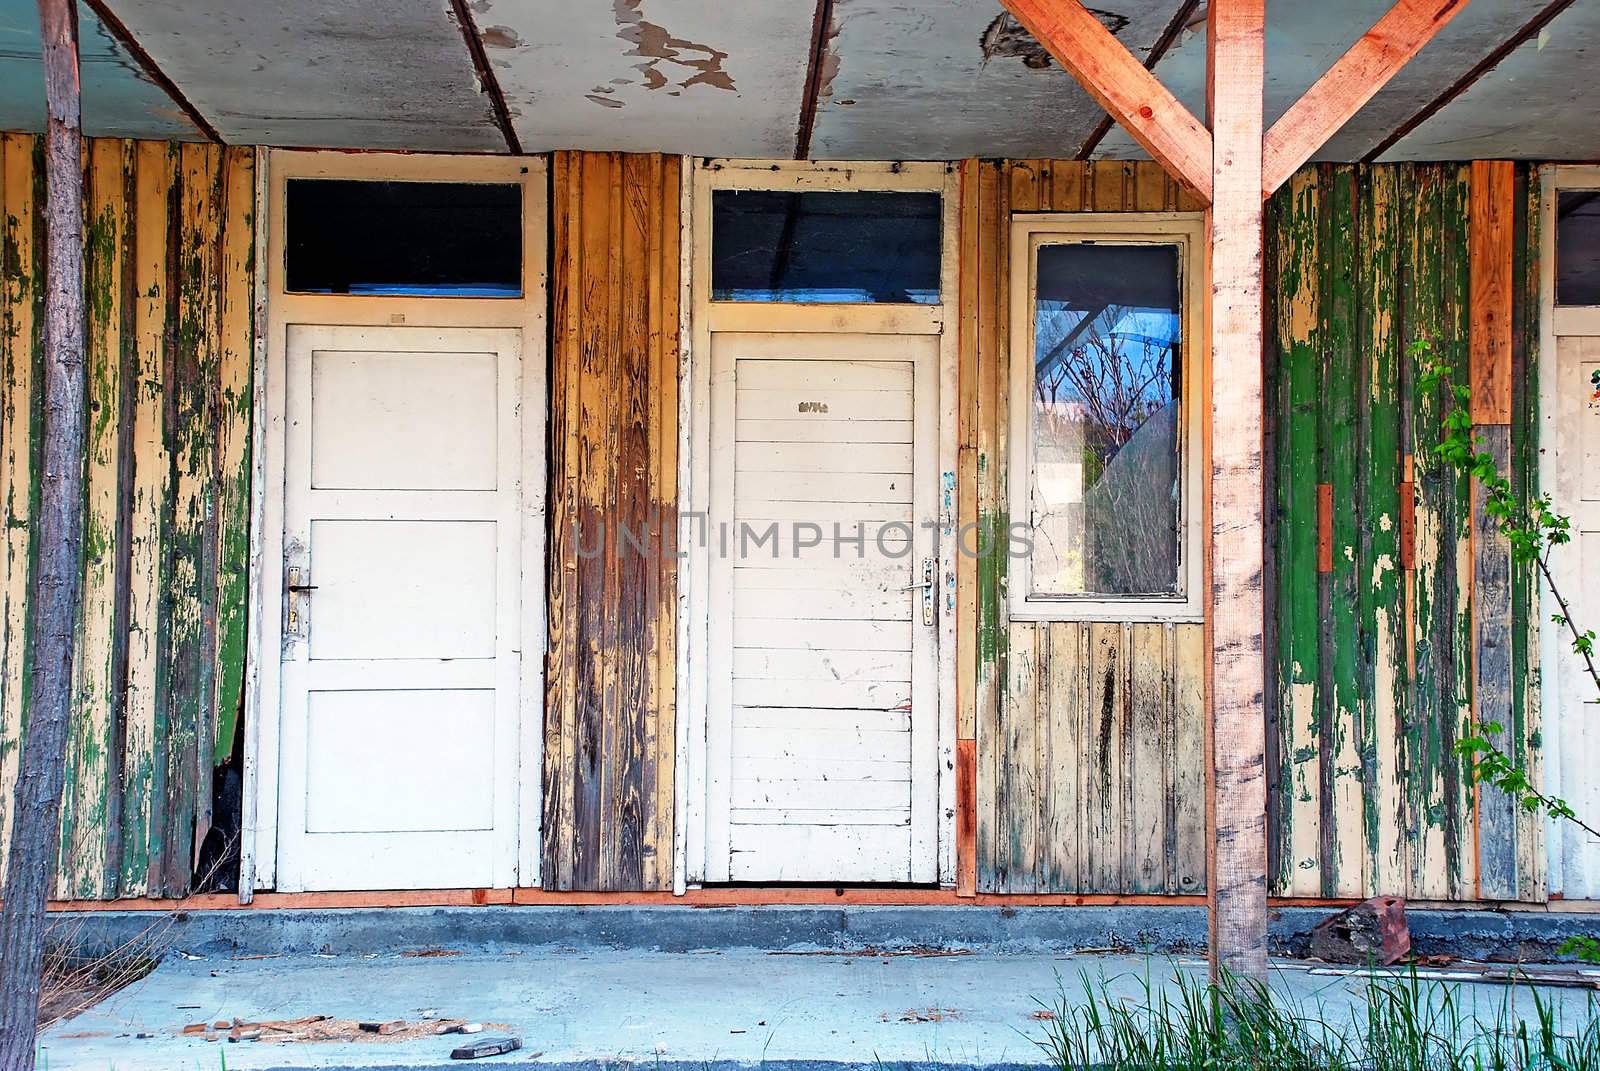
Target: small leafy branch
[1532,529]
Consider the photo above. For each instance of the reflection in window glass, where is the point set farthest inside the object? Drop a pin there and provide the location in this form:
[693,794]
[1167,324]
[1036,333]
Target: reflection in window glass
[825,247]
[1578,247]
[450,239]
[1106,429]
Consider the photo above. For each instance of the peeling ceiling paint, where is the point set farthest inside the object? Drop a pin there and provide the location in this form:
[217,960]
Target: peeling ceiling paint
[119,99]
[899,79]
[939,79]
[379,74]
[698,76]
[1537,103]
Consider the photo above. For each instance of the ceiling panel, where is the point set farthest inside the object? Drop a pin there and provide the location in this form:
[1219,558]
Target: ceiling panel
[1537,103]
[1472,35]
[377,74]
[705,77]
[942,79]
[119,99]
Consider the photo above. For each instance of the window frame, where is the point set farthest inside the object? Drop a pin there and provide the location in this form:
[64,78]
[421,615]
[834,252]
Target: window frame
[806,176]
[1186,230]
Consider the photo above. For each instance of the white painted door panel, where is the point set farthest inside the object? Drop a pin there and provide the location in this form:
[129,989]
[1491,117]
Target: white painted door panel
[822,714]
[398,756]
[1575,856]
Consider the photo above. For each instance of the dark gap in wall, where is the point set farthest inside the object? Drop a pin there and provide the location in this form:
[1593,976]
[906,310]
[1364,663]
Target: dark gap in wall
[1272,516]
[122,567]
[217,862]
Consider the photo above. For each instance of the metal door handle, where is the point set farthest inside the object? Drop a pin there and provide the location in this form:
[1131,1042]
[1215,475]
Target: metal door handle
[293,589]
[930,573]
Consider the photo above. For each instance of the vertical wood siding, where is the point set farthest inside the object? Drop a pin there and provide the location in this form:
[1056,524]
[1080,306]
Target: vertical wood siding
[1374,624]
[168,268]
[609,730]
[1087,739]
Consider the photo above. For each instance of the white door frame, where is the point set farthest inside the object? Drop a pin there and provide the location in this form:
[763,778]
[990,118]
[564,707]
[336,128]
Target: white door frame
[1556,686]
[706,317]
[258,847]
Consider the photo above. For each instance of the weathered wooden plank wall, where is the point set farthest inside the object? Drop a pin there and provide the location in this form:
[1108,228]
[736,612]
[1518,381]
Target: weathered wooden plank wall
[1373,538]
[1086,740]
[609,719]
[169,274]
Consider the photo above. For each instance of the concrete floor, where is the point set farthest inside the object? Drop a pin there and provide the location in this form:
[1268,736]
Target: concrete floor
[590,1008]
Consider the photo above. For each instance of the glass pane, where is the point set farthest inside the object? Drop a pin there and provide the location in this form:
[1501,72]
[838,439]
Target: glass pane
[455,239]
[816,247]
[1106,431]
[1578,248]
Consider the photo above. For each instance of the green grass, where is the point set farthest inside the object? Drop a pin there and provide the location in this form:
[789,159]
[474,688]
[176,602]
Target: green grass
[1408,1024]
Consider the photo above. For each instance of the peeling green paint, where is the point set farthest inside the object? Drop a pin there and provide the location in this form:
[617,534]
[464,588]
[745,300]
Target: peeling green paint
[1368,762]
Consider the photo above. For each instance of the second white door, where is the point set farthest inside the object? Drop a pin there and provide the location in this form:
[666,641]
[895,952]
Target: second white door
[822,712]
[1570,700]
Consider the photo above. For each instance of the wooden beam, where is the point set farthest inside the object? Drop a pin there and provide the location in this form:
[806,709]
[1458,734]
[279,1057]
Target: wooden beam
[1132,95]
[56,588]
[487,80]
[821,29]
[1235,611]
[1339,94]
[119,30]
[1169,37]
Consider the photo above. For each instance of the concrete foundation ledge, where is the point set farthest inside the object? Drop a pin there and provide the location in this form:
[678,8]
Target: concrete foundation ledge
[1514,936]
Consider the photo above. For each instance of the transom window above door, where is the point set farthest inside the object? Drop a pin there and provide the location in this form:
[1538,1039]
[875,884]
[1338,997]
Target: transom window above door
[825,246]
[403,238]
[1103,456]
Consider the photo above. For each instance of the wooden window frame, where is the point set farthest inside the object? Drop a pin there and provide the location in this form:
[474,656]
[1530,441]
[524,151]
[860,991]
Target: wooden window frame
[276,308]
[1187,230]
[703,317]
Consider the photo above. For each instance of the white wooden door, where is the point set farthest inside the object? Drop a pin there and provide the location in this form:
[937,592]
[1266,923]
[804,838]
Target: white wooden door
[822,711]
[1575,856]
[398,755]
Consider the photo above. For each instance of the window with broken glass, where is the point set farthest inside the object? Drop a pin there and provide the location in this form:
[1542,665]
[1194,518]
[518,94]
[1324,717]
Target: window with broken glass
[1103,444]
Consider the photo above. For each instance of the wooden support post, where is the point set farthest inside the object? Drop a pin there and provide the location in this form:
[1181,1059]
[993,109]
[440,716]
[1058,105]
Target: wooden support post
[59,535]
[1235,611]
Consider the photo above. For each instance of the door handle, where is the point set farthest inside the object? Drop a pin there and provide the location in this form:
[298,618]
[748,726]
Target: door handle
[294,587]
[930,573]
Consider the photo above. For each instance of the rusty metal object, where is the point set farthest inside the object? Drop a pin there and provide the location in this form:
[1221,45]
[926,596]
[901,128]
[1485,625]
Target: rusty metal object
[1374,932]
